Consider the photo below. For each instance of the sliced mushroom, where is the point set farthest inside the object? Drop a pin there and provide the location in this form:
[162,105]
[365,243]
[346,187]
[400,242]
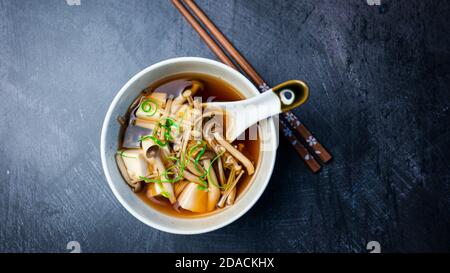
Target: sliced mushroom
[135,164]
[221,171]
[193,199]
[135,185]
[231,177]
[235,152]
[231,197]
[196,170]
[181,99]
[213,124]
[229,189]
[165,155]
[209,112]
[209,137]
[230,162]
[192,178]
[148,145]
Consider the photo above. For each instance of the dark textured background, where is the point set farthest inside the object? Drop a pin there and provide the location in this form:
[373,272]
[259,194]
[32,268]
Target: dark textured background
[379,79]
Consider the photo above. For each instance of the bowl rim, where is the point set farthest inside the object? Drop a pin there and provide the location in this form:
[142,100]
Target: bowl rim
[124,203]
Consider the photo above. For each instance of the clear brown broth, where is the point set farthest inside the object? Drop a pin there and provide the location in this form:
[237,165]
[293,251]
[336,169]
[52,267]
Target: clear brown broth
[222,91]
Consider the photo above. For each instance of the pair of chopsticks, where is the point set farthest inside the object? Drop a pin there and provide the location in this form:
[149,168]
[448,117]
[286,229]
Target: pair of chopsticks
[289,123]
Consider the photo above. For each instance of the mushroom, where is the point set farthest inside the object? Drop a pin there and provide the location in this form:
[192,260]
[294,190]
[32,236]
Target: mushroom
[198,171]
[235,152]
[147,144]
[188,93]
[229,161]
[221,171]
[209,137]
[134,184]
[231,197]
[191,177]
[215,121]
[135,164]
[193,198]
[229,189]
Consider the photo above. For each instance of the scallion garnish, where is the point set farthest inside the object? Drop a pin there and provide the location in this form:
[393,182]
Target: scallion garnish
[122,155]
[150,107]
[156,140]
[210,166]
[165,194]
[202,188]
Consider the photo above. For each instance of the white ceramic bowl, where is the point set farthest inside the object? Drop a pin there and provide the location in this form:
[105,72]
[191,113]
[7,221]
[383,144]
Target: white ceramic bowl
[109,146]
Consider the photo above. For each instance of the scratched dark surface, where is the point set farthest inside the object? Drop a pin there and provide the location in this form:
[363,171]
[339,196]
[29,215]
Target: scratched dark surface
[379,79]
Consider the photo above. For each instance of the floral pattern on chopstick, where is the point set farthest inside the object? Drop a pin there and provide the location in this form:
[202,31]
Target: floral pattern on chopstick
[293,140]
[263,87]
[293,120]
[287,132]
[311,141]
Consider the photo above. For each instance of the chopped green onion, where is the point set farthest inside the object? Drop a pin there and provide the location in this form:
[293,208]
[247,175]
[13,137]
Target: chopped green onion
[209,169]
[122,155]
[150,107]
[202,151]
[165,194]
[156,140]
[168,125]
[148,180]
[202,188]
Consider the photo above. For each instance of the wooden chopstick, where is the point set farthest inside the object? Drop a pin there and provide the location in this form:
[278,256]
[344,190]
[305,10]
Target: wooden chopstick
[298,146]
[293,121]
[313,165]
[223,41]
[203,34]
